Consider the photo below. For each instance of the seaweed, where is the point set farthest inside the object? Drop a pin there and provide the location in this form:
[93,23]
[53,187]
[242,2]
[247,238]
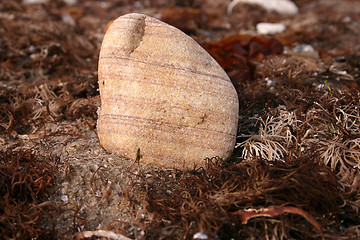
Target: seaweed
[214,198]
[25,179]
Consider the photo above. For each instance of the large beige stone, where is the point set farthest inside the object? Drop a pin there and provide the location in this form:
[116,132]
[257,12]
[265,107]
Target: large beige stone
[161,92]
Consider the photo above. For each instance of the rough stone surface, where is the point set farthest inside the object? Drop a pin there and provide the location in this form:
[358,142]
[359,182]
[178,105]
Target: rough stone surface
[162,93]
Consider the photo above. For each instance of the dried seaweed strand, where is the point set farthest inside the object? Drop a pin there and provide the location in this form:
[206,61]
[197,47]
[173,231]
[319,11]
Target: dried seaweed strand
[246,214]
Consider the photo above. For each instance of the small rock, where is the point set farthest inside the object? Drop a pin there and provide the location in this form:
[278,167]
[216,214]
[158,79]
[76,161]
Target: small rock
[163,94]
[65,198]
[306,50]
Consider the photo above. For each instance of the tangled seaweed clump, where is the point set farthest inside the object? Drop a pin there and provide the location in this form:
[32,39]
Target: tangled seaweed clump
[25,178]
[330,124]
[234,200]
[282,182]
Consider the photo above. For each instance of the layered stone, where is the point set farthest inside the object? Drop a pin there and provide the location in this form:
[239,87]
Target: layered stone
[163,93]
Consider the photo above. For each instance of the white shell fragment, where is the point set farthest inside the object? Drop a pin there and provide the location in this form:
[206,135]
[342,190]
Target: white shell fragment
[279,6]
[201,236]
[270,28]
[161,92]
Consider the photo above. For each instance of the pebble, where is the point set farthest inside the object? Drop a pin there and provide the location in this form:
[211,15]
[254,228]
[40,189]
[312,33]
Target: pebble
[162,93]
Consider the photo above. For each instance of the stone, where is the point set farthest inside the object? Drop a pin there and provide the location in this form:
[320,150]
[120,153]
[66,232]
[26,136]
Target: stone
[162,93]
